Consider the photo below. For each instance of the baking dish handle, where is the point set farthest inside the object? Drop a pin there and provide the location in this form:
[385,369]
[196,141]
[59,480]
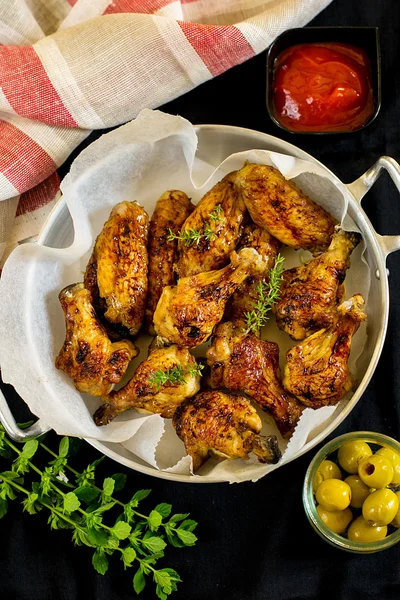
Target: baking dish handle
[11,427]
[359,187]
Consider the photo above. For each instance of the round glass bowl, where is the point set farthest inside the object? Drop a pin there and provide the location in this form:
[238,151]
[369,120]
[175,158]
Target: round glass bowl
[310,506]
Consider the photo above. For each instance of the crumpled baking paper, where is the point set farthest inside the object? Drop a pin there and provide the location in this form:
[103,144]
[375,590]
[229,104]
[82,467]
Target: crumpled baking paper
[139,161]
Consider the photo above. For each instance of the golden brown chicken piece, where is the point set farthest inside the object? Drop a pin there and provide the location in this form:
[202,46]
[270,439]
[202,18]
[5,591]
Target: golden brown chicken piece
[279,206]
[225,425]
[87,356]
[246,295]
[218,218]
[187,313]
[171,211]
[316,371]
[310,294]
[117,271]
[160,383]
[243,363]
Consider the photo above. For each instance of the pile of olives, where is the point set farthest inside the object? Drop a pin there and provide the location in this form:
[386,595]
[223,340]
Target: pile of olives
[364,501]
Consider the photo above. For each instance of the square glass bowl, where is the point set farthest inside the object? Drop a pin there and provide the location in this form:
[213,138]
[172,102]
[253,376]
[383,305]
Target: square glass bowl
[310,505]
[364,38]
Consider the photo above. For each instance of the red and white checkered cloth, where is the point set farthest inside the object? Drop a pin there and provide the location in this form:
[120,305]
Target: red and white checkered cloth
[70,66]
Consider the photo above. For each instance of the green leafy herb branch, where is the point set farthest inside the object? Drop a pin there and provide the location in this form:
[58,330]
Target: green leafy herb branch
[96,518]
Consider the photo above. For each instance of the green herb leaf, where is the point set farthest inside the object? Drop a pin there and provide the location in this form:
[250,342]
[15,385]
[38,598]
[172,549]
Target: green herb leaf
[63,447]
[154,544]
[108,488]
[139,581]
[100,562]
[3,507]
[121,530]
[187,537]
[29,448]
[29,503]
[105,507]
[98,537]
[164,509]
[138,497]
[86,494]
[189,525]
[71,502]
[268,294]
[128,556]
[178,517]
[120,480]
[155,520]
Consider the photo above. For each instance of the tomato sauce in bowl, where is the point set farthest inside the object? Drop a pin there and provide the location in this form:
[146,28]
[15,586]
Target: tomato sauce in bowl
[322,87]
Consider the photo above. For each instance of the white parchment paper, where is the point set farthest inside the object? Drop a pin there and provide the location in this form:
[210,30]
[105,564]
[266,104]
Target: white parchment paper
[139,161]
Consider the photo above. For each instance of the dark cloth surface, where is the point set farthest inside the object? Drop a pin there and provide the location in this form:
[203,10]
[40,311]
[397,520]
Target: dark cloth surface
[254,540]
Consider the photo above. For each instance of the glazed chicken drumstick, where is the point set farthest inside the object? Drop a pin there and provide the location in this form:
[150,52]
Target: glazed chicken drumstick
[278,205]
[145,392]
[316,371]
[187,313]
[310,294]
[217,219]
[87,356]
[225,425]
[116,275]
[171,211]
[243,363]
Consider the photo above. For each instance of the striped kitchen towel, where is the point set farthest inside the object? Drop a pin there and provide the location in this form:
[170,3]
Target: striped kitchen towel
[70,66]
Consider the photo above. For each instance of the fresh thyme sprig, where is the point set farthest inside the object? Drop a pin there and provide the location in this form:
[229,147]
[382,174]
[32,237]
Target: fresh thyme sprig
[268,293]
[190,237]
[138,538]
[175,375]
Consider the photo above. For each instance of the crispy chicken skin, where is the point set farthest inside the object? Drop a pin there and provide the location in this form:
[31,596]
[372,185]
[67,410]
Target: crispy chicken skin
[224,424]
[246,295]
[87,356]
[316,371]
[222,210]
[243,363]
[171,211]
[187,313]
[119,267]
[141,393]
[278,205]
[310,294]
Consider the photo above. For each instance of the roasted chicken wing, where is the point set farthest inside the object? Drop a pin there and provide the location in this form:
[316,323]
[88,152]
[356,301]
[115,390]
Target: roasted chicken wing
[316,371]
[117,271]
[187,313]
[243,363]
[246,295]
[278,205]
[87,356]
[310,294]
[225,425]
[218,218]
[171,211]
[160,383]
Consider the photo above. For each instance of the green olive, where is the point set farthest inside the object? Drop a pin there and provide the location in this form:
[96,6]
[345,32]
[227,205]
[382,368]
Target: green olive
[394,458]
[380,508]
[326,470]
[361,531]
[359,491]
[376,471]
[396,520]
[335,520]
[350,454]
[333,494]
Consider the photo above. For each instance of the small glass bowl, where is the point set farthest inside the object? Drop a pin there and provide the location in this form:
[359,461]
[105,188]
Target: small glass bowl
[310,506]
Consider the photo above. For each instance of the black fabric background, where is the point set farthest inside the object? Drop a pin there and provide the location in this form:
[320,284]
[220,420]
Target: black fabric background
[254,540]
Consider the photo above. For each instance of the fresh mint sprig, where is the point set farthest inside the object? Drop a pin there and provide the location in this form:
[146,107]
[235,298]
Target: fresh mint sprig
[95,516]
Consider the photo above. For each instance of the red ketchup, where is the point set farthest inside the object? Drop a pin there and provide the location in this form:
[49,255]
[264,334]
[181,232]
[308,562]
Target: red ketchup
[323,87]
